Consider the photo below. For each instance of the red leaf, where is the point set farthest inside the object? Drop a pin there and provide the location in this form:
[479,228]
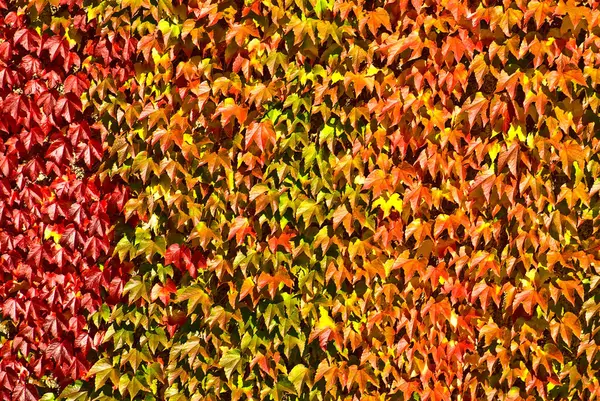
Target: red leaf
[28,38]
[163,292]
[95,246]
[76,84]
[90,151]
[475,107]
[60,352]
[56,46]
[179,256]
[25,392]
[11,308]
[58,151]
[67,107]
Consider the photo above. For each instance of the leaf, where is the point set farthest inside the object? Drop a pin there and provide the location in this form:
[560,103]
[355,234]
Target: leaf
[306,210]
[163,291]
[56,46]
[67,107]
[376,19]
[228,109]
[238,229]
[28,38]
[76,84]
[321,6]
[455,45]
[178,255]
[25,392]
[60,352]
[475,107]
[231,361]
[485,181]
[298,376]
[509,156]
[103,370]
[194,295]
[260,133]
[572,322]
[341,215]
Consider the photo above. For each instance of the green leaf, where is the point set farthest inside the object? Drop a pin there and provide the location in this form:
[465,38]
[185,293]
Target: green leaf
[73,392]
[135,386]
[136,289]
[306,210]
[231,360]
[104,370]
[298,377]
[124,248]
[321,6]
[194,295]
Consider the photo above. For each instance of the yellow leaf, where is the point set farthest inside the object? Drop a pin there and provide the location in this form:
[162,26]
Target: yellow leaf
[325,322]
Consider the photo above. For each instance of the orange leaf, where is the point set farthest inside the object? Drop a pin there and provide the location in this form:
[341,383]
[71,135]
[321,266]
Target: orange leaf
[510,157]
[261,134]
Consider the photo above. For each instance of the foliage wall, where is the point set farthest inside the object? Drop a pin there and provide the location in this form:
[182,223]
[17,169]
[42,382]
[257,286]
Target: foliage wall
[299,200]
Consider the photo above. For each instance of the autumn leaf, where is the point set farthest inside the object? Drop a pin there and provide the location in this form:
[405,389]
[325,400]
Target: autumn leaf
[261,134]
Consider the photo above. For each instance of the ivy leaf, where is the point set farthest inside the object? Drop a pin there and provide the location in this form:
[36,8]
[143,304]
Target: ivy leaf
[298,376]
[260,133]
[509,156]
[103,370]
[231,361]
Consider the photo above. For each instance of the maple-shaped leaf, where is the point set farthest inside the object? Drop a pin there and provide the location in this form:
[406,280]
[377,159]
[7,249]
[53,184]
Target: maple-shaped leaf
[360,376]
[539,11]
[163,291]
[376,19]
[325,329]
[360,81]
[95,247]
[67,106]
[262,93]
[25,392]
[178,255]
[71,237]
[260,133]
[508,82]
[509,156]
[342,215]
[77,84]
[36,253]
[395,45]
[240,32]
[571,151]
[231,361]
[562,79]
[90,151]
[32,137]
[239,229]
[509,18]
[247,287]
[11,308]
[299,375]
[485,181]
[282,240]
[60,352]
[56,46]
[228,109]
[28,38]
[16,104]
[273,281]
[475,108]
[455,45]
